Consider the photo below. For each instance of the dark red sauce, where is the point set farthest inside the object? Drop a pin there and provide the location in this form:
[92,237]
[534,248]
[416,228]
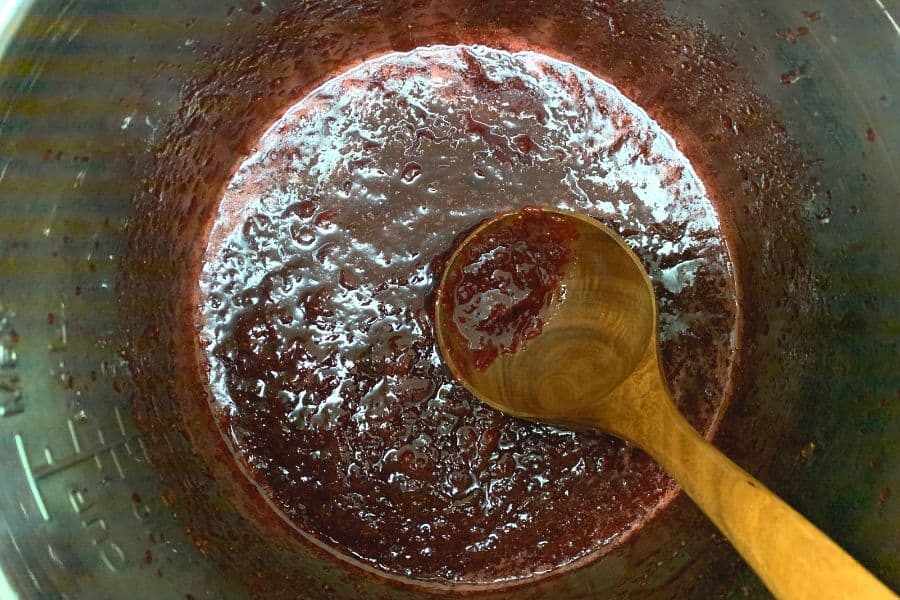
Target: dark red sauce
[503,281]
[318,341]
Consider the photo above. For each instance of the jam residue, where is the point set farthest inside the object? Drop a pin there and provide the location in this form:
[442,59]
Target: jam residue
[504,280]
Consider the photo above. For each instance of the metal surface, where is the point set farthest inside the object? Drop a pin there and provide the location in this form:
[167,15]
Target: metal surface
[85,517]
[84,89]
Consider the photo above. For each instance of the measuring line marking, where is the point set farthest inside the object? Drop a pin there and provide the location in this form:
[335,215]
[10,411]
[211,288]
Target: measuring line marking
[52,466]
[29,476]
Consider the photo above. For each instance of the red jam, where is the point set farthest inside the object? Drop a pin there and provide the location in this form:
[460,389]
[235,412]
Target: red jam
[503,282]
[315,309]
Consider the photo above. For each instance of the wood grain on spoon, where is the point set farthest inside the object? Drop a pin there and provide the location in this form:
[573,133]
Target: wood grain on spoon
[591,361]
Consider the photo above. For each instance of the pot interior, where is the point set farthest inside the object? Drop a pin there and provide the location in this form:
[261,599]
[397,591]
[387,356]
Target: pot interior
[120,133]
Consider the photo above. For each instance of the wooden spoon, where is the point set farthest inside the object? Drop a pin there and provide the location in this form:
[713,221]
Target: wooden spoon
[595,364]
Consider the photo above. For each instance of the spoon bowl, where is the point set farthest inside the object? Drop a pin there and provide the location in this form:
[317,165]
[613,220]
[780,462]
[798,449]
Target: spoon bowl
[589,359]
[590,343]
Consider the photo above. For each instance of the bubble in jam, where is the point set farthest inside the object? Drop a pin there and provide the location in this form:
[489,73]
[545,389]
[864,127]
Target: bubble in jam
[317,329]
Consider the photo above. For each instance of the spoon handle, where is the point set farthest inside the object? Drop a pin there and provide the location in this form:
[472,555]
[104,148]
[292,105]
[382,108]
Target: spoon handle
[793,558]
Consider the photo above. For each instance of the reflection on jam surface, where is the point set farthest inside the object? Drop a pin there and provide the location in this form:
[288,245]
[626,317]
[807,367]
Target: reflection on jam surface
[316,328]
[503,281]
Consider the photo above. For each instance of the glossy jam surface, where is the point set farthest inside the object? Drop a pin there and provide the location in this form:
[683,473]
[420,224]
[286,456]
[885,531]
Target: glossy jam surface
[317,334]
[502,282]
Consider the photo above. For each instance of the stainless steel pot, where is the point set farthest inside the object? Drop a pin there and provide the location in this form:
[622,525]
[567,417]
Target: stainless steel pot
[87,89]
